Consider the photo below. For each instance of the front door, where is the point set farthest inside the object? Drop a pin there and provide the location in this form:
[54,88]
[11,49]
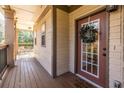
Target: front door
[92,55]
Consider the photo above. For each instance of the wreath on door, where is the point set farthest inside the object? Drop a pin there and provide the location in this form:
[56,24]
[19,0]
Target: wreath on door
[88,33]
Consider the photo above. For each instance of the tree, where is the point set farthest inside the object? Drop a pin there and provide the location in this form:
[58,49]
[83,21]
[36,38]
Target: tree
[25,37]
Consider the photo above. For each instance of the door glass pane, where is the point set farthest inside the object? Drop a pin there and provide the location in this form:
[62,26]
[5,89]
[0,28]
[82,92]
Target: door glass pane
[95,69]
[89,54]
[84,65]
[88,67]
[89,47]
[84,47]
[95,47]
[95,59]
[84,57]
[89,57]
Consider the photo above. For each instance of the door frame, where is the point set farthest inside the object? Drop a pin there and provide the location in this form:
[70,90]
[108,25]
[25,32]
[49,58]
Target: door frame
[107,43]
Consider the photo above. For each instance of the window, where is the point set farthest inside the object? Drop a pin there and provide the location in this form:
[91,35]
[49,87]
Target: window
[2,28]
[43,35]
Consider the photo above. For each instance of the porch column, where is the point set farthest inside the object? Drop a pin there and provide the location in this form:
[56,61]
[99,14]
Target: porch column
[9,35]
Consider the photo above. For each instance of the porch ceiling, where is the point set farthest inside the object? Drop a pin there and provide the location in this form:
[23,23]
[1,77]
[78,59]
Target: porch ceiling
[26,15]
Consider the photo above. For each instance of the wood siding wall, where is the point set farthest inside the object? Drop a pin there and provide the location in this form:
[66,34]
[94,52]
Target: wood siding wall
[44,54]
[115,47]
[62,42]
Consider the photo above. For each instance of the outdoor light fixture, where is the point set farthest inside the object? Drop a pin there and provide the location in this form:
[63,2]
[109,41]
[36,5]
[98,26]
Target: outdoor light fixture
[111,8]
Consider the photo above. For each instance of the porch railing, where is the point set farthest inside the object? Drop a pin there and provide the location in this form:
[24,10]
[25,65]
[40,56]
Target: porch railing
[3,59]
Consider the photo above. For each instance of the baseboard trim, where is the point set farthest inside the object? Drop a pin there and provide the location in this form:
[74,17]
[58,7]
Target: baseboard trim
[96,85]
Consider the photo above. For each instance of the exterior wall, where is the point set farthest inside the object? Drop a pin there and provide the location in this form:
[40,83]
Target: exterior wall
[66,41]
[62,42]
[115,41]
[115,47]
[44,54]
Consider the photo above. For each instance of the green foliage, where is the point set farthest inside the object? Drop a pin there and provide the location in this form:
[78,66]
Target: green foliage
[1,36]
[25,38]
[88,33]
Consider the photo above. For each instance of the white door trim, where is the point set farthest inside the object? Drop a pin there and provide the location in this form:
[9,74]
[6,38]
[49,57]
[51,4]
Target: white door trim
[96,85]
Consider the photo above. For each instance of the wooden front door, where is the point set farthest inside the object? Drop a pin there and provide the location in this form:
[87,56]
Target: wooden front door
[92,56]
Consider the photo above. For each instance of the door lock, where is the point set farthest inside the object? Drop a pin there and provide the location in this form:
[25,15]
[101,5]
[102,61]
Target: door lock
[104,49]
[104,54]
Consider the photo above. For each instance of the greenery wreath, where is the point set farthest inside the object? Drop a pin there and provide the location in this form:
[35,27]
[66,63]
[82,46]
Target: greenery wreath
[88,33]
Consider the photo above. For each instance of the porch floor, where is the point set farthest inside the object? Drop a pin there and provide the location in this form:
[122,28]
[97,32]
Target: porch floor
[28,73]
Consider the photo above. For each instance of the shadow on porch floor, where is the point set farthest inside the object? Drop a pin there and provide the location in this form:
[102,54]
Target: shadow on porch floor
[28,73]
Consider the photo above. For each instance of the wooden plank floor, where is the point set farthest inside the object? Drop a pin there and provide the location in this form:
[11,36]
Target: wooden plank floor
[28,73]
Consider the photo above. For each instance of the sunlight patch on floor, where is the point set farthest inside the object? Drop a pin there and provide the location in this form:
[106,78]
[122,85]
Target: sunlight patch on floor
[25,55]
